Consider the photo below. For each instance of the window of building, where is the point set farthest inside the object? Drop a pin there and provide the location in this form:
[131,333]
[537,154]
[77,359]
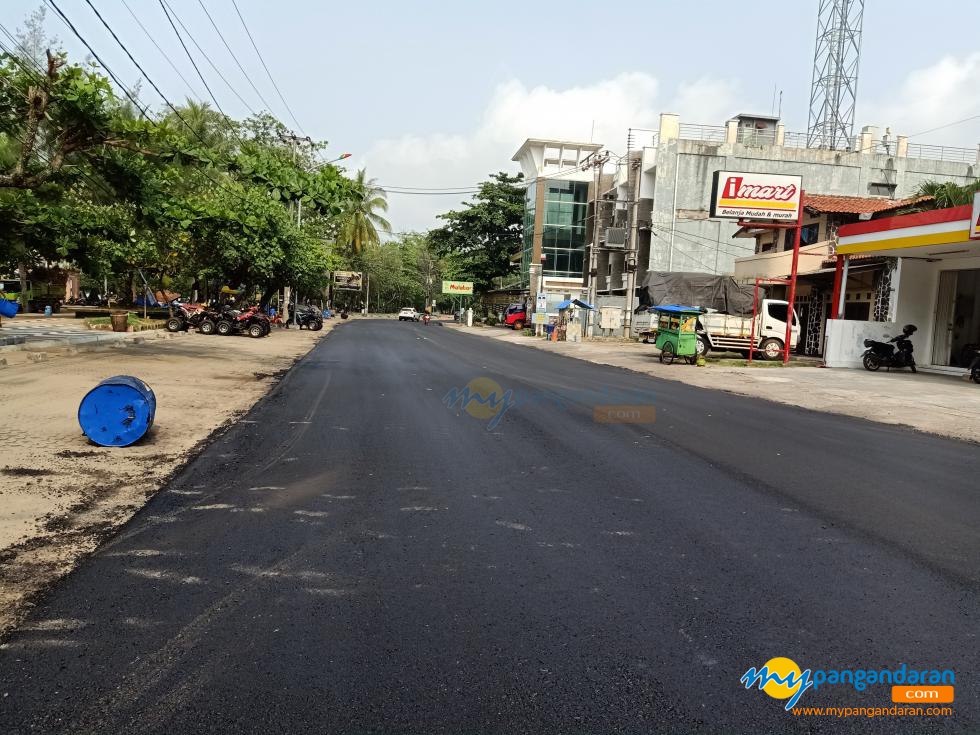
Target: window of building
[808,236]
[881,190]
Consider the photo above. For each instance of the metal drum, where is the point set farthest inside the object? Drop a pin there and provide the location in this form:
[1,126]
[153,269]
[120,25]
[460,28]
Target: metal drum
[118,411]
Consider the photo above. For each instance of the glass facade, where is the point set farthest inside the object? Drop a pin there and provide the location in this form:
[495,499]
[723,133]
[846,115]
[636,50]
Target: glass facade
[563,231]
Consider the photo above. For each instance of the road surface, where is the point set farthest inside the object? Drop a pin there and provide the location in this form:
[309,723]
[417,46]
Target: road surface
[356,556]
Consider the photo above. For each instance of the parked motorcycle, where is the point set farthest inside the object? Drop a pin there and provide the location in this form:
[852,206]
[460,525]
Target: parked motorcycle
[309,317]
[251,321]
[885,354]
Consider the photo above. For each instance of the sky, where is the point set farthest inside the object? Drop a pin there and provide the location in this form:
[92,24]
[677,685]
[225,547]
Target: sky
[440,94]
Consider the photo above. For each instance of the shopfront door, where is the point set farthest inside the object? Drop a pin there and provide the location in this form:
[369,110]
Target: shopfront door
[957,328]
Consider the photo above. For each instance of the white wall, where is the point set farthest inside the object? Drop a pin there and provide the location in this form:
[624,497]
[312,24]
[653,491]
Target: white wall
[845,340]
[917,298]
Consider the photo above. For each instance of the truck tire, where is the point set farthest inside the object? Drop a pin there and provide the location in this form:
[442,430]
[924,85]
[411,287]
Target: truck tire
[771,348]
[518,325]
[703,347]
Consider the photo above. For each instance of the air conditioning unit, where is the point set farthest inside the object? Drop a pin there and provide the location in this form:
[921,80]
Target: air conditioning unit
[615,237]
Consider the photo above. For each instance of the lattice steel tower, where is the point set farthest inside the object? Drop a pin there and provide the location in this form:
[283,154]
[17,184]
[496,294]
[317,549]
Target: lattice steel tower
[833,92]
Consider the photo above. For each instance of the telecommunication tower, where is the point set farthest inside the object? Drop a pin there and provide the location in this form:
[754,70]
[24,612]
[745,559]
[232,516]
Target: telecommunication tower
[833,92]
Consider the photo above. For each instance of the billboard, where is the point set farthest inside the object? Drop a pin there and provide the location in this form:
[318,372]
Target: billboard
[975,218]
[458,288]
[769,197]
[347,280]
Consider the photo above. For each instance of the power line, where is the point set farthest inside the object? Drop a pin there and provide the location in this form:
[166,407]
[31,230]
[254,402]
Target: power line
[162,52]
[135,101]
[264,66]
[191,58]
[245,74]
[166,5]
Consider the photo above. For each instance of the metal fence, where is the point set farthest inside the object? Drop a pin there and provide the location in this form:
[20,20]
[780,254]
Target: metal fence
[706,133]
[943,153]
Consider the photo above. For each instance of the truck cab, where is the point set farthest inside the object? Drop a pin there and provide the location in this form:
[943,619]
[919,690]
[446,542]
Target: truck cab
[516,316]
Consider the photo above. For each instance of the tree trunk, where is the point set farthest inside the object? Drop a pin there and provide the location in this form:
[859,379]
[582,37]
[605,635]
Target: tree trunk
[22,273]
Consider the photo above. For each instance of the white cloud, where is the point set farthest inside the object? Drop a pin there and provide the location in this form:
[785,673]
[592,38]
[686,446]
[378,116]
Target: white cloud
[513,113]
[944,92]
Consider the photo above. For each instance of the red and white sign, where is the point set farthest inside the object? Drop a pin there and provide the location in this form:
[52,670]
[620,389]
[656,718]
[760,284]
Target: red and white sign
[769,197]
[975,218]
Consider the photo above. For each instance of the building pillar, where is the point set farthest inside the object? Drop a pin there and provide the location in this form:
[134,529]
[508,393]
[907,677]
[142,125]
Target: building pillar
[731,132]
[902,146]
[780,134]
[838,278]
[670,126]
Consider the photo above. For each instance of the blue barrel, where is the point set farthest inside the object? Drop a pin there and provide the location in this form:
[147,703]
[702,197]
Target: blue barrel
[8,308]
[118,411]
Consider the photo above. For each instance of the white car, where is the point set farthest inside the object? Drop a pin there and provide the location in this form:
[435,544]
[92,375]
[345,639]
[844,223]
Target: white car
[408,314]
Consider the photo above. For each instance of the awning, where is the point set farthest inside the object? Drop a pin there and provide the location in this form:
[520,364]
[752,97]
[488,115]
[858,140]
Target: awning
[932,234]
[576,302]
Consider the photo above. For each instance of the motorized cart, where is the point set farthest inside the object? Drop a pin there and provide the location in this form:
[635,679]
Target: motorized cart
[676,332]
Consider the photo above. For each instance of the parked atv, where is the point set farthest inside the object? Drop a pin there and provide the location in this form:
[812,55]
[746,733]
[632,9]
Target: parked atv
[186,316]
[309,317]
[251,322]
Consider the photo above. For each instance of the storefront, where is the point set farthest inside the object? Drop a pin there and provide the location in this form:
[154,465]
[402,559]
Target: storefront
[934,266]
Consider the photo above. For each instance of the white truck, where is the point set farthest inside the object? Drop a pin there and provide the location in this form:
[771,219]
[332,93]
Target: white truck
[728,332]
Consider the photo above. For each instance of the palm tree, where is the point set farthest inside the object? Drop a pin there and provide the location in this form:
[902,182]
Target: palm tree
[943,195]
[362,223]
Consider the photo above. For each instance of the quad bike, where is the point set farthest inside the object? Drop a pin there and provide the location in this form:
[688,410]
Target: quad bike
[251,322]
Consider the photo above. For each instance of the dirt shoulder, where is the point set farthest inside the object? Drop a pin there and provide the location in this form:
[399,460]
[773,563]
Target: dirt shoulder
[59,494]
[937,404]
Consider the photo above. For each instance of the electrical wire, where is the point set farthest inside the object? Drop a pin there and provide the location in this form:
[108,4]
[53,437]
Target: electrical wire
[133,99]
[191,59]
[245,74]
[265,66]
[162,52]
[169,104]
[166,6]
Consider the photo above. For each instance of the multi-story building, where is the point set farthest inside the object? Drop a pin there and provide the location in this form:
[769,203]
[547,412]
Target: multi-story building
[556,215]
[666,177]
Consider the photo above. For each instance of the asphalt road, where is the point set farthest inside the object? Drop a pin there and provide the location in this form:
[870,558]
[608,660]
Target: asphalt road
[355,556]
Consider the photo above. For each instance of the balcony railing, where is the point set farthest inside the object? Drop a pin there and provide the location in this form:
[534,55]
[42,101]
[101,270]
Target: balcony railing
[942,153]
[706,133]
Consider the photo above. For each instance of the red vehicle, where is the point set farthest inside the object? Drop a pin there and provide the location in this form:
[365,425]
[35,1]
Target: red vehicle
[516,316]
[251,321]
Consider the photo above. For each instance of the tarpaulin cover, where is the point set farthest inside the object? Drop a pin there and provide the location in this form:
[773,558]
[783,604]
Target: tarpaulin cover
[704,290]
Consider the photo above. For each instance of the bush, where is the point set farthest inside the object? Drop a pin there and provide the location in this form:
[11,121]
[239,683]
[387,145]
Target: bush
[527,332]
[491,320]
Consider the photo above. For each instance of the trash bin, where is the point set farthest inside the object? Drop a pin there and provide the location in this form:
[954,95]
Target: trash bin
[118,411]
[120,321]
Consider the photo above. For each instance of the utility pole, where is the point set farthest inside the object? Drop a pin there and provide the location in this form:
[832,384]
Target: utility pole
[629,256]
[597,162]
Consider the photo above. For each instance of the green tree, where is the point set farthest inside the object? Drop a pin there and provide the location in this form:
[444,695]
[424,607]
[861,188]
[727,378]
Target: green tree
[362,225]
[479,239]
[943,195]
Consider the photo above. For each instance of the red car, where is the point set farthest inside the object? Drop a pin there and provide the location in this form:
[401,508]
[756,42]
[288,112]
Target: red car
[516,316]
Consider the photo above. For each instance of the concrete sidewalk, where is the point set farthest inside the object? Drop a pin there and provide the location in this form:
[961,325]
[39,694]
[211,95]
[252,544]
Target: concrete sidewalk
[938,404]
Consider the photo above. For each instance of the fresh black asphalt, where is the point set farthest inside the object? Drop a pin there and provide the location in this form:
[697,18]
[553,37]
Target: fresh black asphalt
[354,556]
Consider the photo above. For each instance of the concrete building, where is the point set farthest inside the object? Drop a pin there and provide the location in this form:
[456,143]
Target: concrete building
[669,171]
[556,232]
